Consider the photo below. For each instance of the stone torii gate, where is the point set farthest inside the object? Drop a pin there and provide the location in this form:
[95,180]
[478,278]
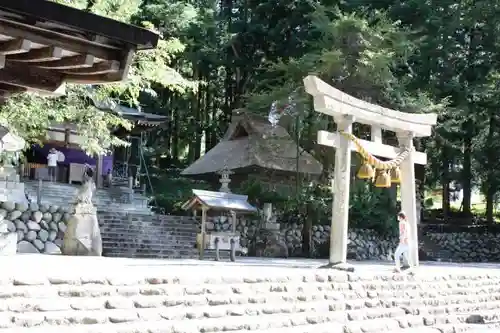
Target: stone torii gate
[346,110]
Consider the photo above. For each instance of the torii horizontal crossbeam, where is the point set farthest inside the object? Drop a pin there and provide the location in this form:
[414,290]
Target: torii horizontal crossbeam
[377,149]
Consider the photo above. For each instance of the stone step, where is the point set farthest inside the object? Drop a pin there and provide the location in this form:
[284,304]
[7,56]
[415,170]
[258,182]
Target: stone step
[148,231]
[125,224]
[201,319]
[151,256]
[160,237]
[253,296]
[147,248]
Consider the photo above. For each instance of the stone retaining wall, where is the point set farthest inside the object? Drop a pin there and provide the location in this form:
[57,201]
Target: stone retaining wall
[39,229]
[369,245]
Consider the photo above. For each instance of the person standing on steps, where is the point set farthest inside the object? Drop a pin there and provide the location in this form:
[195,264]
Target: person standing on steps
[52,159]
[403,248]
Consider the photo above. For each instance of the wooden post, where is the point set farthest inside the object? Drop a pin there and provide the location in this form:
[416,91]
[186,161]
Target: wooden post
[203,231]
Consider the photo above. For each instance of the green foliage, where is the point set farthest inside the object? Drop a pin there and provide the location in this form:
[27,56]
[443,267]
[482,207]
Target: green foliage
[372,207]
[176,191]
[29,116]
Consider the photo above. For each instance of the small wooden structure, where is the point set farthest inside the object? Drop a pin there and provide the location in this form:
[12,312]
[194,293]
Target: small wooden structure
[44,44]
[219,201]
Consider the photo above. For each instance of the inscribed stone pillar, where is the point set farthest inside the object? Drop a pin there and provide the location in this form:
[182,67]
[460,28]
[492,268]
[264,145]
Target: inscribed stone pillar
[341,185]
[408,195]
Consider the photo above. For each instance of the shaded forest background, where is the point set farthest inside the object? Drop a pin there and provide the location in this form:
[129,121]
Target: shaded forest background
[215,56]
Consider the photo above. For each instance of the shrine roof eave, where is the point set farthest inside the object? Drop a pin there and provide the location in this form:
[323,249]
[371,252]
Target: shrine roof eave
[44,45]
[79,20]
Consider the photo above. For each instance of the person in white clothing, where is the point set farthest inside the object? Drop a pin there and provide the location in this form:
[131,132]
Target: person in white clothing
[52,159]
[403,246]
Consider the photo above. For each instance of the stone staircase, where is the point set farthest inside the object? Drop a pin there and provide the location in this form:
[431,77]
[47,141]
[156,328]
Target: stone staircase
[110,199]
[146,236]
[104,295]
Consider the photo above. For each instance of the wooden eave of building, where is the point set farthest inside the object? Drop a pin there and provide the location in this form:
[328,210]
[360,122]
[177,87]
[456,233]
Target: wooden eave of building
[44,45]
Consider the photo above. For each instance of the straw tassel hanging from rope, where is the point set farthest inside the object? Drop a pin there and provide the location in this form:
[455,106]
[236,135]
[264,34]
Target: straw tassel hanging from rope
[382,172]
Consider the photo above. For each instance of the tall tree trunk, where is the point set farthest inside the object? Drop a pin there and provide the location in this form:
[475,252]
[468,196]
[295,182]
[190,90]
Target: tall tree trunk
[199,122]
[491,162]
[467,169]
[445,181]
[175,149]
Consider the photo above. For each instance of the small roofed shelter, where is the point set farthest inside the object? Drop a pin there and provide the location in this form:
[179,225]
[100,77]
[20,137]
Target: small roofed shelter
[44,45]
[218,202]
[252,147]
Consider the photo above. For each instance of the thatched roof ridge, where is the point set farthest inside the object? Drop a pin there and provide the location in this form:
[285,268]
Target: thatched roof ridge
[251,140]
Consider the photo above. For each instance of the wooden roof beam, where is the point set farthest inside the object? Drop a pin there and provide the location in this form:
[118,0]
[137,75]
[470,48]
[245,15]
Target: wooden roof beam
[42,54]
[117,76]
[10,89]
[77,61]
[102,67]
[15,46]
[30,78]
[47,37]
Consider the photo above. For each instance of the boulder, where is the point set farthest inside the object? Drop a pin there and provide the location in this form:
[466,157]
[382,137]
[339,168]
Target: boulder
[56,217]
[30,236]
[22,207]
[20,225]
[44,225]
[26,247]
[51,248]
[33,207]
[39,244]
[11,227]
[52,236]
[47,216]
[33,226]
[25,216]
[37,216]
[8,206]
[14,215]
[43,235]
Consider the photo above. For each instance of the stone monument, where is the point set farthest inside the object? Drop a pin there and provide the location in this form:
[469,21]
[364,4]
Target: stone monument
[346,110]
[82,236]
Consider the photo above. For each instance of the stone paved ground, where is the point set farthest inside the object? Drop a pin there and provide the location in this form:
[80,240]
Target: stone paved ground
[56,294]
